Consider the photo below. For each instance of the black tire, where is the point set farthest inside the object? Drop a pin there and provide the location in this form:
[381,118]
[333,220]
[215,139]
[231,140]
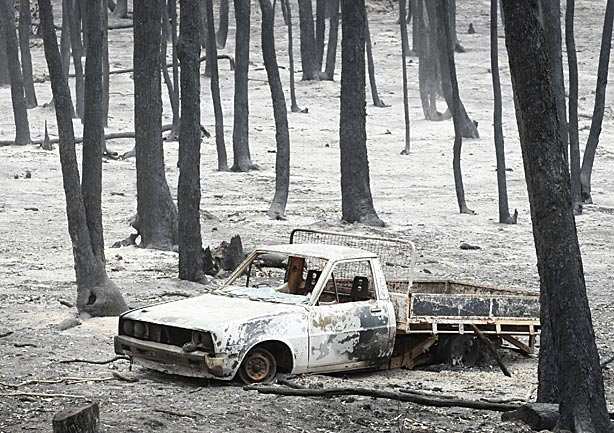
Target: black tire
[258,366]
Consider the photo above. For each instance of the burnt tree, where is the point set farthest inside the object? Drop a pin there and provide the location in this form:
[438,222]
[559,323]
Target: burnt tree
[287,12]
[277,210]
[333,35]
[77,54]
[504,210]
[404,52]
[172,88]
[121,9]
[599,107]
[20,112]
[240,131]
[220,144]
[157,215]
[377,102]
[222,29]
[574,142]
[356,199]
[96,294]
[25,24]
[191,259]
[563,299]
[320,32]
[308,41]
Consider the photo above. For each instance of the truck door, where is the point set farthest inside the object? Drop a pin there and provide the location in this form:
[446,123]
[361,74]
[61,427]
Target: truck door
[350,326]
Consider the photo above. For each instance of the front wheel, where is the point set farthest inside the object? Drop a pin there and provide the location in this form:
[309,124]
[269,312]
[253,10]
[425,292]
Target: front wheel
[259,366]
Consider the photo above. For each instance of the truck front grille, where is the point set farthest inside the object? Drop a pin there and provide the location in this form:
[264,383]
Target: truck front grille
[165,334]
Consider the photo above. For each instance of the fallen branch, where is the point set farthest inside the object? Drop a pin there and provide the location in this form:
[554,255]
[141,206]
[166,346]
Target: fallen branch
[87,361]
[175,293]
[6,334]
[399,396]
[67,380]
[491,348]
[43,395]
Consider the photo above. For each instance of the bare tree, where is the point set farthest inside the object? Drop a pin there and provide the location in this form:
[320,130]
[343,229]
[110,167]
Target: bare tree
[172,88]
[20,112]
[504,211]
[25,25]
[240,132]
[157,214]
[404,50]
[222,160]
[77,54]
[333,34]
[105,69]
[377,101]
[222,30]
[574,142]
[277,209]
[97,295]
[188,191]
[287,12]
[563,289]
[320,32]
[598,110]
[308,41]
[356,199]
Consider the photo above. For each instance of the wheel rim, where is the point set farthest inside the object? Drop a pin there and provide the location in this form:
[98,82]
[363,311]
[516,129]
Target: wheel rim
[258,366]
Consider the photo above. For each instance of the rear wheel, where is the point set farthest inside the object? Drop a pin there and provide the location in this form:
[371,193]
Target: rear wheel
[259,366]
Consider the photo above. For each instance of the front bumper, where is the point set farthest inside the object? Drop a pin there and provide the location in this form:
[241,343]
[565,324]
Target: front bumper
[173,360]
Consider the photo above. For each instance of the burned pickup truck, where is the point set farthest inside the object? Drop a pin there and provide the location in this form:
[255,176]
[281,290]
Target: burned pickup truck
[325,302]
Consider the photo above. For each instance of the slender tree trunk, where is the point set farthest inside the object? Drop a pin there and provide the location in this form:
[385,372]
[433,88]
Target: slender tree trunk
[404,50]
[308,41]
[65,37]
[203,36]
[504,211]
[157,215]
[333,35]
[172,6]
[105,70]
[449,86]
[371,67]
[574,142]
[287,12]
[240,133]
[563,290]
[320,33]
[282,137]
[188,192]
[25,24]
[170,87]
[121,9]
[222,30]
[602,82]
[96,294]
[20,112]
[77,54]
[222,159]
[356,200]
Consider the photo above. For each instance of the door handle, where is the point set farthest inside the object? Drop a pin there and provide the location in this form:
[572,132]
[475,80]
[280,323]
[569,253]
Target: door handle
[376,310]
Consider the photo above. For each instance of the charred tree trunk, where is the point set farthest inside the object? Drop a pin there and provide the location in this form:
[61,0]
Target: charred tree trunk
[96,294]
[287,12]
[504,211]
[172,7]
[404,50]
[282,137]
[602,82]
[240,132]
[65,37]
[105,70]
[220,144]
[331,49]
[121,9]
[191,258]
[371,67]
[77,54]
[320,32]
[20,112]
[574,142]
[157,215]
[25,23]
[356,200]
[308,41]
[563,290]
[449,86]
[222,30]
[168,80]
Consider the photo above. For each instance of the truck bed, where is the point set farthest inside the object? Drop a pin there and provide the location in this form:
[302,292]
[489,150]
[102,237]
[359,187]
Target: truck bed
[450,307]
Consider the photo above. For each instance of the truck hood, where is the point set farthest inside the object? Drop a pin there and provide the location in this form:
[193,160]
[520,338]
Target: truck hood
[210,312]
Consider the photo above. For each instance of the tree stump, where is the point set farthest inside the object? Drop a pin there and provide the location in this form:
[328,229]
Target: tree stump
[82,419]
[538,416]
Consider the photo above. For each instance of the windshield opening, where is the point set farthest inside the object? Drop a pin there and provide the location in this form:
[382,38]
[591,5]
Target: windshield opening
[277,277]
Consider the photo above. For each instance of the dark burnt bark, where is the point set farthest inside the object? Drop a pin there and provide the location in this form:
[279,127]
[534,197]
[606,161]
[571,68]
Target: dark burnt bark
[445,48]
[287,12]
[220,144]
[563,291]
[371,67]
[320,33]
[121,9]
[574,142]
[404,50]
[172,8]
[20,112]
[173,95]
[277,210]
[331,49]
[25,24]
[222,30]
[155,208]
[356,200]
[504,211]
[598,110]
[191,258]
[96,294]
[77,54]
[450,90]
[308,41]
[240,132]
[65,37]
[105,70]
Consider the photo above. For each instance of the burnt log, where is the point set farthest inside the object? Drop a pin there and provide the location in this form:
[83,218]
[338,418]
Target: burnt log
[538,416]
[83,419]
